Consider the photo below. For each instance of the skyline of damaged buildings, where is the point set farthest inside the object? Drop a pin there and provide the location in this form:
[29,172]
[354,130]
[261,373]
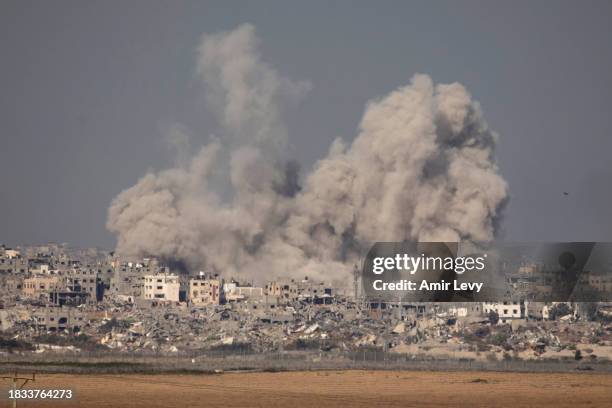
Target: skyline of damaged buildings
[64,277]
[147,306]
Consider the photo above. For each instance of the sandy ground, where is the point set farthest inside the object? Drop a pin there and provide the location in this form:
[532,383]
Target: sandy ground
[331,389]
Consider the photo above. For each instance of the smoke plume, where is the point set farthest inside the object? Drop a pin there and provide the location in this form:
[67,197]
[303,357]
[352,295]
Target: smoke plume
[421,167]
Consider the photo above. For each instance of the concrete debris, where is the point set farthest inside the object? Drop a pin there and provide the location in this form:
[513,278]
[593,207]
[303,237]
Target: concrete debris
[239,328]
[399,329]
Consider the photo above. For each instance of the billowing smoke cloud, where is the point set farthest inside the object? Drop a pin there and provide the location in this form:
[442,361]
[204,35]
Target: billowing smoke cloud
[422,167]
[247,94]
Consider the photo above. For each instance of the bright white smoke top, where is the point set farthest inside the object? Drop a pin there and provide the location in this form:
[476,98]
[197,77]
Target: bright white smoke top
[422,167]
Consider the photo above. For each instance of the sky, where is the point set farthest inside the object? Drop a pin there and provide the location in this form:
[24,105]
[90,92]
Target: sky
[90,90]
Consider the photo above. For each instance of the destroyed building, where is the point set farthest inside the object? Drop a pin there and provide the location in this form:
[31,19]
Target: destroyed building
[59,319]
[506,310]
[204,291]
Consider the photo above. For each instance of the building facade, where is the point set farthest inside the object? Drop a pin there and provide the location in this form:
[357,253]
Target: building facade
[506,310]
[204,291]
[162,287]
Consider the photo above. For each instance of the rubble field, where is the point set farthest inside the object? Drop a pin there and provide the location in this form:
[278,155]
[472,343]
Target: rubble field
[298,336]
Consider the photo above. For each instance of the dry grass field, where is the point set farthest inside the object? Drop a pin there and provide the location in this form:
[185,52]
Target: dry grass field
[331,389]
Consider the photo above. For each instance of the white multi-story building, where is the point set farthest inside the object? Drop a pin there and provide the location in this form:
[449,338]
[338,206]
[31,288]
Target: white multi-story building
[161,287]
[506,310]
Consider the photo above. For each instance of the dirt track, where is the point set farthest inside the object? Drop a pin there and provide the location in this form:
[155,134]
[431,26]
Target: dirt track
[332,389]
